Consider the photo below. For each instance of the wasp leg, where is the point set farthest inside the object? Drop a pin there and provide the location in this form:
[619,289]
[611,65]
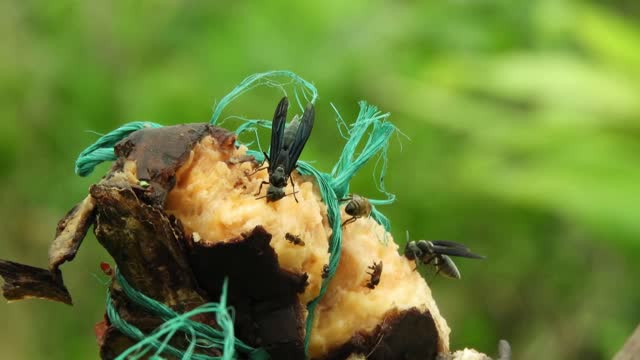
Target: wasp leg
[261,167]
[417,264]
[435,275]
[257,170]
[431,258]
[260,188]
[433,278]
[293,188]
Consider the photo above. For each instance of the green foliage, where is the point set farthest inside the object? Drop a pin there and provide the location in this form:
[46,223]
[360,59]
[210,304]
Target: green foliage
[524,119]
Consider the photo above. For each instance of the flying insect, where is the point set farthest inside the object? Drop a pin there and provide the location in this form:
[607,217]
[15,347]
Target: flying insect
[437,253]
[358,206]
[287,143]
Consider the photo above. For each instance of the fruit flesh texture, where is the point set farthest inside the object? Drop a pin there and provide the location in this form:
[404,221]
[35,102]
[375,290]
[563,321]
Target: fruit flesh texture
[215,200]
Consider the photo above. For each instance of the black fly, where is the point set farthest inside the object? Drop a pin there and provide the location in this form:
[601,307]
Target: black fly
[437,252]
[325,271]
[294,239]
[287,143]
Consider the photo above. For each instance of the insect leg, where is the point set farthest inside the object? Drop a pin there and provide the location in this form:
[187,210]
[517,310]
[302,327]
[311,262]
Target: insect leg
[261,167]
[433,278]
[257,170]
[349,221]
[293,188]
[260,188]
[431,258]
[417,264]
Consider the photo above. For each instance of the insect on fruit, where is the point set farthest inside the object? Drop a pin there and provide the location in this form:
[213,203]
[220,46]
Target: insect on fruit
[376,272]
[106,268]
[325,271]
[438,252]
[294,239]
[358,206]
[287,143]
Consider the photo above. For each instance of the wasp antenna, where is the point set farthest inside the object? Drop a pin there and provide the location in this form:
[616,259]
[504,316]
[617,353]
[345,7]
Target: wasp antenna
[291,193]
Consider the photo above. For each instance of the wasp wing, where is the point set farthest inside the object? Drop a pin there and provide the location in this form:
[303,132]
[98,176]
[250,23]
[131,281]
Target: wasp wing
[455,251]
[456,247]
[277,129]
[302,135]
[447,243]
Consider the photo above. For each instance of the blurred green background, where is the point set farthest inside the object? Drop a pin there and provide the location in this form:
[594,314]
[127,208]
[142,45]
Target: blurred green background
[524,119]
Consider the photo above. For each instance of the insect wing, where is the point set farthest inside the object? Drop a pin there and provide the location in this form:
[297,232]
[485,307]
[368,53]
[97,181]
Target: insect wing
[277,130]
[455,251]
[304,131]
[448,243]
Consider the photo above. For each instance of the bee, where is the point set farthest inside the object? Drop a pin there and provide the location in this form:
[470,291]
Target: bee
[437,252]
[287,143]
[325,271]
[358,206]
[294,239]
[376,272]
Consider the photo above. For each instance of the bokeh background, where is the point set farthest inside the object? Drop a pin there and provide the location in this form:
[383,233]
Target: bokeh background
[524,120]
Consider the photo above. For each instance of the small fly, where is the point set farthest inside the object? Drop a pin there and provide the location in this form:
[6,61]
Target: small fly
[437,253]
[287,143]
[294,239]
[325,271]
[358,206]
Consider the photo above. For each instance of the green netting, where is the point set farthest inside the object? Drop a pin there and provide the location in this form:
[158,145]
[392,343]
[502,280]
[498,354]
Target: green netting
[370,132]
[102,150]
[198,334]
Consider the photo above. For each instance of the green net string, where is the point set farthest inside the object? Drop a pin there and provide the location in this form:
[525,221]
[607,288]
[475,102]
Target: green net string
[198,334]
[370,133]
[102,150]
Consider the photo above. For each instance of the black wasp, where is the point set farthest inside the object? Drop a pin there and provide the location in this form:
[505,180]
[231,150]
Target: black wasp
[437,252]
[287,143]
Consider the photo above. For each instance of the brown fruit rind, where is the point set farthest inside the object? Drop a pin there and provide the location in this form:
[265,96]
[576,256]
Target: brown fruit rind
[409,334]
[28,282]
